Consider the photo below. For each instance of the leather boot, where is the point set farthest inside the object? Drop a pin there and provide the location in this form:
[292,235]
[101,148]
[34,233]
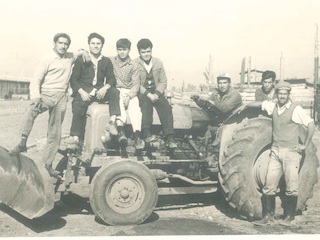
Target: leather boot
[291,210]
[21,147]
[268,210]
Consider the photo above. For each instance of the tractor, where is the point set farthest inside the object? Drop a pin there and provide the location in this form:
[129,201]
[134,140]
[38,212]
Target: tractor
[123,183]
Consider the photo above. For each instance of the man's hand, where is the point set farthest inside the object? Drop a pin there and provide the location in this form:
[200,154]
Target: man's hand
[84,95]
[102,92]
[126,100]
[36,101]
[299,148]
[153,97]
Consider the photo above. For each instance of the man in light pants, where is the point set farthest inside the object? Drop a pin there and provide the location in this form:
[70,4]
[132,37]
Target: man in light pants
[127,76]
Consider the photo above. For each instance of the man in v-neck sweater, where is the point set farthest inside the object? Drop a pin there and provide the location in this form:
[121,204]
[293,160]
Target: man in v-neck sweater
[153,83]
[48,91]
[286,152]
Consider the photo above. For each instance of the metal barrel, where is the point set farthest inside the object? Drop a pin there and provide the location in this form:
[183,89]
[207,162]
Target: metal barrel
[25,186]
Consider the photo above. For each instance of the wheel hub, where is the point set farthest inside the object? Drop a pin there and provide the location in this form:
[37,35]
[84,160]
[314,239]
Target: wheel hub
[125,194]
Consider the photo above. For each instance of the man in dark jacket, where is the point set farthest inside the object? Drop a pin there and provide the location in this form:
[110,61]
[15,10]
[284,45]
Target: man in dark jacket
[87,82]
[153,83]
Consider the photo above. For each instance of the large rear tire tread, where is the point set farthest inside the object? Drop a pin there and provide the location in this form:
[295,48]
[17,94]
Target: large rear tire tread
[236,173]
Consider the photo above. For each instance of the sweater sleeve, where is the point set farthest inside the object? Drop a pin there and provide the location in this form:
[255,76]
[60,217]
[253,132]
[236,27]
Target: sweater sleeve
[110,78]
[135,78]
[233,101]
[162,84]
[76,74]
[39,74]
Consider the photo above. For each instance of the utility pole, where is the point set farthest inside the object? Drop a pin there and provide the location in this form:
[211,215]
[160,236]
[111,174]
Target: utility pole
[249,70]
[316,78]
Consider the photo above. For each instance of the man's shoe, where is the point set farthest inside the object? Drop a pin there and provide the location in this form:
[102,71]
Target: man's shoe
[171,143]
[86,158]
[18,149]
[52,172]
[151,138]
[139,144]
[112,128]
[122,138]
[263,222]
[73,146]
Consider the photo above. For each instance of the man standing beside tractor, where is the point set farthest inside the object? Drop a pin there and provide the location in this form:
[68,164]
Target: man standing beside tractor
[48,91]
[153,83]
[286,152]
[127,74]
[93,82]
[267,91]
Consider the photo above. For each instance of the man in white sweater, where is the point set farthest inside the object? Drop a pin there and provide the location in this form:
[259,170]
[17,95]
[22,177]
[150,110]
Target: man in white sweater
[48,91]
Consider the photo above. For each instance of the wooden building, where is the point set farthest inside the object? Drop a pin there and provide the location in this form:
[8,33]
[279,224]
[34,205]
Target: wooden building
[14,89]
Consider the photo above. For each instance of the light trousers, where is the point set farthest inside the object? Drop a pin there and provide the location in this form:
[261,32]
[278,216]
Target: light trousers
[133,111]
[283,161]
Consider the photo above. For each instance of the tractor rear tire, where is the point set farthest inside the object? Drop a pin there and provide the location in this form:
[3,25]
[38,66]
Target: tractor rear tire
[243,166]
[123,192]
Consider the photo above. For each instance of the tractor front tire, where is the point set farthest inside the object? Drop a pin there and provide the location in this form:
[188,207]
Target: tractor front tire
[123,192]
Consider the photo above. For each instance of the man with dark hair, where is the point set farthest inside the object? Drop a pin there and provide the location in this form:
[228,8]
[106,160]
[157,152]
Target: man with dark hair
[93,82]
[153,83]
[48,91]
[267,91]
[127,75]
[286,152]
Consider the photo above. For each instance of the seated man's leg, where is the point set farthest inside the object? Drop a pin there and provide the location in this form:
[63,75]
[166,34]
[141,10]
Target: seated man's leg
[135,116]
[32,111]
[78,124]
[146,106]
[166,118]
[112,96]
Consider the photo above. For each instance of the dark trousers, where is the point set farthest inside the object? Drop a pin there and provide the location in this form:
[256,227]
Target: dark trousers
[164,112]
[80,107]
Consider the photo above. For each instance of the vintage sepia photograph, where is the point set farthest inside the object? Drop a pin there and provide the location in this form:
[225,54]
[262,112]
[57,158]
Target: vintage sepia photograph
[148,119]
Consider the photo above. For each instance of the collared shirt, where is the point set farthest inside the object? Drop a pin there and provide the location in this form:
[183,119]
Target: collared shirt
[95,66]
[260,95]
[299,116]
[52,74]
[148,66]
[127,75]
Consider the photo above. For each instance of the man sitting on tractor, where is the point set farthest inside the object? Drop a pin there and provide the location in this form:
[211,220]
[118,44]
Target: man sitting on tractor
[222,102]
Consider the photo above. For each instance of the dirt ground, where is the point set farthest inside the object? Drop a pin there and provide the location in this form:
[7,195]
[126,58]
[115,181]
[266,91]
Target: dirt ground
[196,215]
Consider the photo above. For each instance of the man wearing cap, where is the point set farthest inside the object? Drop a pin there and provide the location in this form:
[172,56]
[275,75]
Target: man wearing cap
[286,151]
[267,91]
[48,91]
[225,98]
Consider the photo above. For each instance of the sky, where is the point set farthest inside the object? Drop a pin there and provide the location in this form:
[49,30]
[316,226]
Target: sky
[184,33]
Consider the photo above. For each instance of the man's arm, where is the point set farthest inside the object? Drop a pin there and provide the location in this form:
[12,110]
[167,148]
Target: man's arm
[76,74]
[37,79]
[162,83]
[230,103]
[110,78]
[135,78]
[299,116]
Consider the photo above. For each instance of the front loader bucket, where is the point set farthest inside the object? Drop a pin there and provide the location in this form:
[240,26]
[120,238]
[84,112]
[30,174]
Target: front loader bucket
[24,185]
